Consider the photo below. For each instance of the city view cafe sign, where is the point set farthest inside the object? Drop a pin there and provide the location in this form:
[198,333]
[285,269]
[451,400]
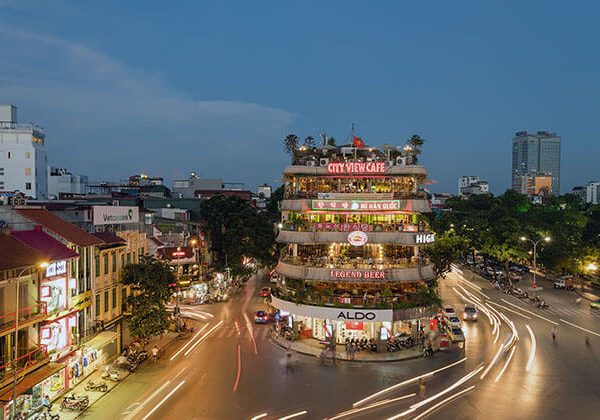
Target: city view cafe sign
[334,314]
[356,168]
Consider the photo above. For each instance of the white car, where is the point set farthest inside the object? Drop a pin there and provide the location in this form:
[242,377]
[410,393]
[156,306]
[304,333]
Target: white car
[454,321]
[449,311]
[457,335]
[470,313]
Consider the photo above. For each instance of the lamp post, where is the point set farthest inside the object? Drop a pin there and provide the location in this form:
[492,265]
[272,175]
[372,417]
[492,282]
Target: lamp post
[15,342]
[535,244]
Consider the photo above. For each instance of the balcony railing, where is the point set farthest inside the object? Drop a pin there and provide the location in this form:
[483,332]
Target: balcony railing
[24,363]
[356,264]
[355,195]
[26,315]
[349,227]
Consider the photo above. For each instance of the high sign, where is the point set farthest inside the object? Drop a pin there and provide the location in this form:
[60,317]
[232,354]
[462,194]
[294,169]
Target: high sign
[357,274]
[355,205]
[56,268]
[115,215]
[424,238]
[357,238]
[356,168]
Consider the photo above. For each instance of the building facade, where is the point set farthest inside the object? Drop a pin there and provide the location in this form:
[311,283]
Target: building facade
[536,155]
[468,185]
[23,162]
[352,230]
[592,193]
[61,182]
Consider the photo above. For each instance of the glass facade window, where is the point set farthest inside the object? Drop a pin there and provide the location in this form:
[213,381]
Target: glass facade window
[114,262]
[106,307]
[98,305]
[114,297]
[97,264]
[105,258]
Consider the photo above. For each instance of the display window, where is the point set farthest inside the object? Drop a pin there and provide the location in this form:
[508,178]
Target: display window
[52,386]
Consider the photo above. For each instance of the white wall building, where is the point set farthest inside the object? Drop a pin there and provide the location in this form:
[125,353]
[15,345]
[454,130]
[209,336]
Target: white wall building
[592,192]
[469,184]
[23,162]
[62,181]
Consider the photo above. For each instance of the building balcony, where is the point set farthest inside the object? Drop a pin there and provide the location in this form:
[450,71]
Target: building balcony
[23,364]
[315,237]
[316,169]
[296,195]
[26,316]
[408,205]
[400,271]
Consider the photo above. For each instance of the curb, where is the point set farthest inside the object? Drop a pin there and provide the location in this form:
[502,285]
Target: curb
[340,359]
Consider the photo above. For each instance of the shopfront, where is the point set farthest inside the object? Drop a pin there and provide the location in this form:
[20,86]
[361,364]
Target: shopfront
[59,335]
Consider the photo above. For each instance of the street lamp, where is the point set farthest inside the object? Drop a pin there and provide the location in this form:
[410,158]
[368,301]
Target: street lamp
[535,244]
[15,349]
[591,267]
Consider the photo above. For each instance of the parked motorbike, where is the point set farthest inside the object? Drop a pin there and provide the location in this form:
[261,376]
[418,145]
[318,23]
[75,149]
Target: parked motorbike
[81,398]
[96,386]
[111,375]
[74,403]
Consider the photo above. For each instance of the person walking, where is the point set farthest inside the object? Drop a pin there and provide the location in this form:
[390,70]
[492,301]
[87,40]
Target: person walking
[554,334]
[422,388]
[154,353]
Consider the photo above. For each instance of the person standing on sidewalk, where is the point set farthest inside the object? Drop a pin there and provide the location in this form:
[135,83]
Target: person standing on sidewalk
[154,353]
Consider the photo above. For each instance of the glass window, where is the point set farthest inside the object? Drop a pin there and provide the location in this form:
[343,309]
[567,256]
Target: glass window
[114,262]
[105,263]
[114,297]
[106,307]
[98,305]
[28,185]
[97,264]
[128,258]
[27,155]
[27,171]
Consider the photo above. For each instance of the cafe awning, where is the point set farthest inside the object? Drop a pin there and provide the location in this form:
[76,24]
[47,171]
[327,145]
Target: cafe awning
[102,339]
[30,380]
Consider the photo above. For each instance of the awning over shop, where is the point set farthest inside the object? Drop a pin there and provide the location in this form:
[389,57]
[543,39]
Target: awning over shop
[102,339]
[30,380]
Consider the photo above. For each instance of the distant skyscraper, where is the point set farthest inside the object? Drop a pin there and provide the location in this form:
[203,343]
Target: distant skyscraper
[536,155]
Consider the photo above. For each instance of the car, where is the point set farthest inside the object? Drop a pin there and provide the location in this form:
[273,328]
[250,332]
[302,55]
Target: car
[261,317]
[470,313]
[449,311]
[595,304]
[454,321]
[265,292]
[457,335]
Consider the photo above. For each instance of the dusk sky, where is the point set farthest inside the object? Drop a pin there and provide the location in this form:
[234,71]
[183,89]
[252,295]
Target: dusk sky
[214,87]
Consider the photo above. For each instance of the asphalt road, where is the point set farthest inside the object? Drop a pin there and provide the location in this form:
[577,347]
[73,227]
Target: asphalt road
[232,370]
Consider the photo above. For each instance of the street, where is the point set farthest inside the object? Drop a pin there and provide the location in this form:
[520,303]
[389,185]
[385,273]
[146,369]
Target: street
[230,369]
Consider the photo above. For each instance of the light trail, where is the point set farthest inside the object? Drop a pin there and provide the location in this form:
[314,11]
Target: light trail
[237,327]
[529,312]
[533,347]
[441,403]
[370,406]
[190,341]
[510,310]
[291,416]
[148,399]
[506,364]
[494,360]
[581,328]
[471,295]
[260,416]
[157,406]
[251,330]
[239,371]
[202,338]
[408,381]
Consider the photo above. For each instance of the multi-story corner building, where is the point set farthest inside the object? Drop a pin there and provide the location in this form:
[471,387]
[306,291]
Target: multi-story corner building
[536,155]
[468,185]
[592,193]
[352,266]
[23,162]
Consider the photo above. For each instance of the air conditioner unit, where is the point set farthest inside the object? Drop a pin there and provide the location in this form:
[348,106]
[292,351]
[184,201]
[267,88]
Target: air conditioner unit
[400,161]
[323,162]
[390,163]
[311,163]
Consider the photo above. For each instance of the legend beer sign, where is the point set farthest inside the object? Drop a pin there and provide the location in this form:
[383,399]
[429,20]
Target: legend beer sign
[356,168]
[356,275]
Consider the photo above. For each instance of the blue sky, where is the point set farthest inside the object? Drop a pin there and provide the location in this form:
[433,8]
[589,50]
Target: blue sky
[214,87]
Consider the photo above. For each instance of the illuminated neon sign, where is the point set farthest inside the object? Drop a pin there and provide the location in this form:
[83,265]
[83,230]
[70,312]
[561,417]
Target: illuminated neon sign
[355,205]
[357,274]
[356,168]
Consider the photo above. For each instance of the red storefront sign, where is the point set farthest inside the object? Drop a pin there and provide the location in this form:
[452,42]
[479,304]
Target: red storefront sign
[356,205]
[342,227]
[356,168]
[351,325]
[433,324]
[357,274]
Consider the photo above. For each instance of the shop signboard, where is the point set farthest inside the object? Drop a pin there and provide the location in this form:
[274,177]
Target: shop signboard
[341,227]
[333,314]
[356,168]
[424,238]
[81,301]
[356,275]
[357,238]
[356,205]
[56,268]
[115,215]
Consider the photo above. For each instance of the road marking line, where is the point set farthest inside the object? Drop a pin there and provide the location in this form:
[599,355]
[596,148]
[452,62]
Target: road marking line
[529,312]
[156,407]
[408,381]
[533,348]
[370,406]
[581,328]
[239,371]
[291,416]
[148,399]
[450,398]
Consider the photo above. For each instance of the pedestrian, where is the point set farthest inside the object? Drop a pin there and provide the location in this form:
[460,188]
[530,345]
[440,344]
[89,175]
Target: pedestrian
[587,343]
[352,351]
[45,402]
[154,353]
[554,334]
[422,388]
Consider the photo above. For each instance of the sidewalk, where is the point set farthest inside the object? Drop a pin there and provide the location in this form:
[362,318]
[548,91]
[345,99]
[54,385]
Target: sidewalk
[312,347]
[161,342]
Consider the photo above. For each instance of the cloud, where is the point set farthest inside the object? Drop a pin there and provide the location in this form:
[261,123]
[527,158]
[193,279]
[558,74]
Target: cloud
[109,120]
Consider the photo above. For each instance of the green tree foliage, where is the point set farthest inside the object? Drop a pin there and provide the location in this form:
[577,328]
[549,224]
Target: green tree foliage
[290,144]
[149,281]
[445,251]
[236,230]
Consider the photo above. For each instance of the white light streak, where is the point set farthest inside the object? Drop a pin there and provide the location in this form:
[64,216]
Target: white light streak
[533,347]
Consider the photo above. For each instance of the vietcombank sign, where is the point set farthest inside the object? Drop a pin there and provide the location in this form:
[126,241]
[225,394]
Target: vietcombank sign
[115,215]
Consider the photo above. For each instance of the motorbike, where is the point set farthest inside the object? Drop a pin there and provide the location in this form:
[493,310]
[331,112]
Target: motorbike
[111,375]
[542,305]
[81,398]
[391,346]
[74,404]
[427,353]
[96,386]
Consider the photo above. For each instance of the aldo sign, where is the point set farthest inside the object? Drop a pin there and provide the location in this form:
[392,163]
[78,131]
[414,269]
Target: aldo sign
[424,238]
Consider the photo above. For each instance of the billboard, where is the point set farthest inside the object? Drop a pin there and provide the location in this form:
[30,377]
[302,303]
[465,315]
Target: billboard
[115,215]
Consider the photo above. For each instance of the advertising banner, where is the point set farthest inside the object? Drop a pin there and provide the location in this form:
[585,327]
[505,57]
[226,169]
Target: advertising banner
[115,215]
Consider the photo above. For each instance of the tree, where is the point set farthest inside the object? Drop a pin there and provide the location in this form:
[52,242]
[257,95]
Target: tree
[290,144]
[444,252]
[149,281]
[331,141]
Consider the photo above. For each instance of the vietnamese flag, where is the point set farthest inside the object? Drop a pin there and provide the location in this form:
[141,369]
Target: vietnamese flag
[358,142]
